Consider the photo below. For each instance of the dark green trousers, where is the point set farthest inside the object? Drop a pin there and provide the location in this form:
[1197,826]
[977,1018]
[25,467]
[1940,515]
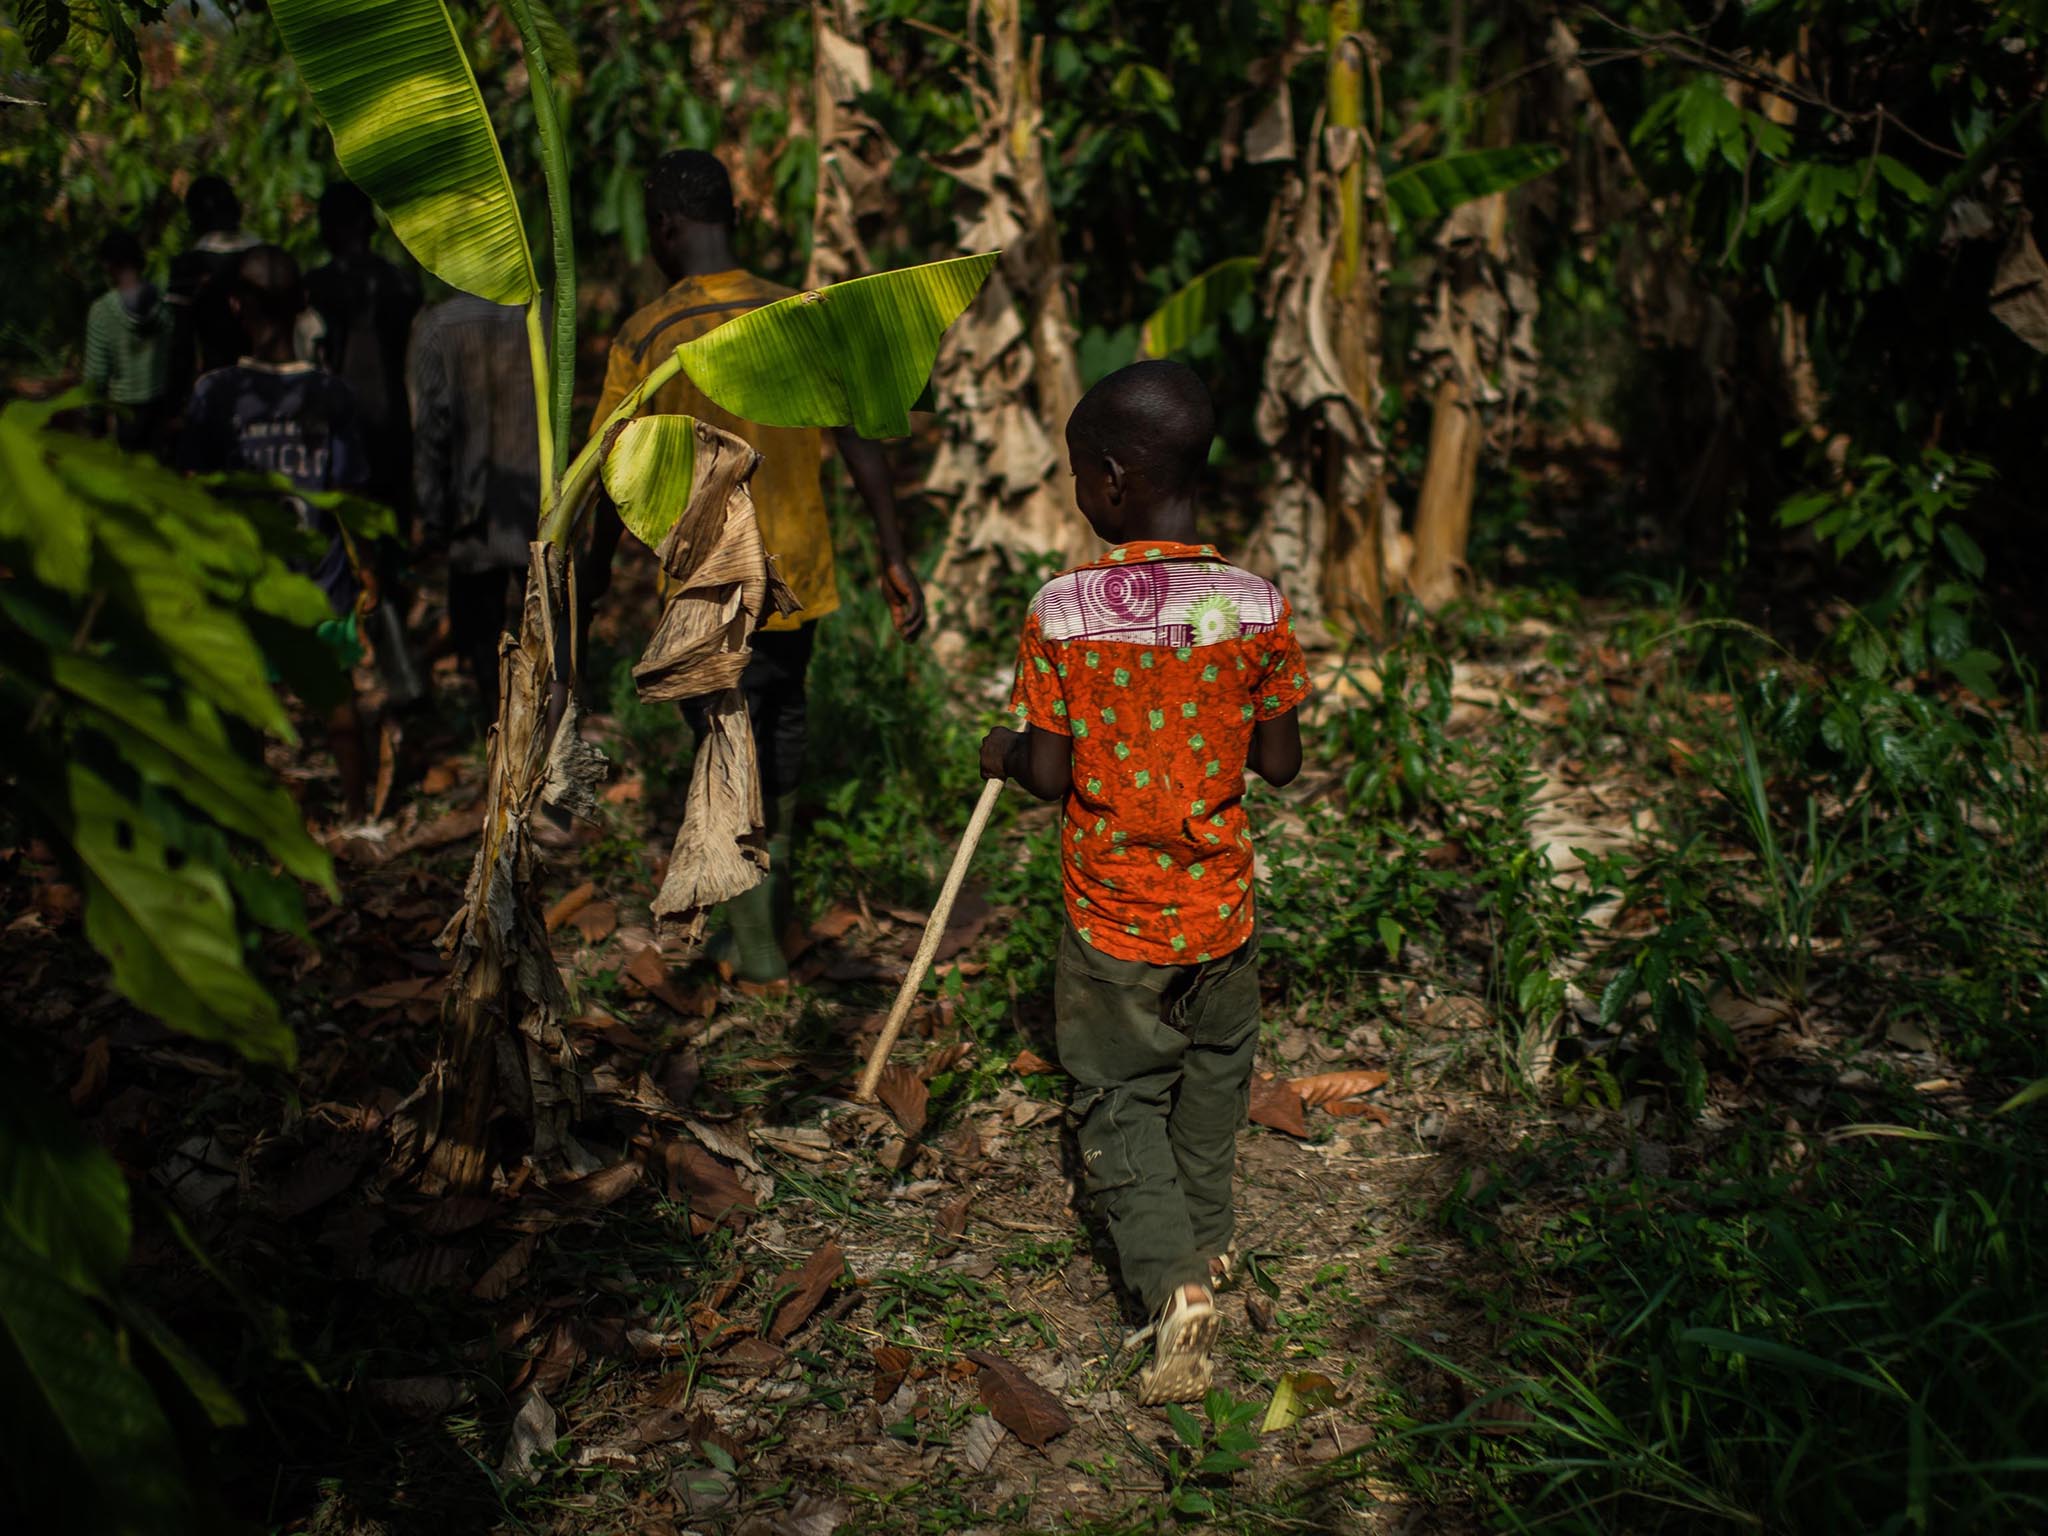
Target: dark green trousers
[1161,1058]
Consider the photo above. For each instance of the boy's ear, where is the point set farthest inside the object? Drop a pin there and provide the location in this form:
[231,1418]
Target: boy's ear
[1113,471]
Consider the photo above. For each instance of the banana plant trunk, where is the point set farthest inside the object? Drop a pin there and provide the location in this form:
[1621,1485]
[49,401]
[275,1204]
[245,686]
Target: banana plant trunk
[1478,341]
[1009,375]
[1322,533]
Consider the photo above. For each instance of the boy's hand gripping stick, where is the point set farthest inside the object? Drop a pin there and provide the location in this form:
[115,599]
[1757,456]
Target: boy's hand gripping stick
[934,930]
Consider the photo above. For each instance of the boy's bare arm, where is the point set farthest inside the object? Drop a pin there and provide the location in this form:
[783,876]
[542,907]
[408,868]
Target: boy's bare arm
[1041,761]
[1275,754]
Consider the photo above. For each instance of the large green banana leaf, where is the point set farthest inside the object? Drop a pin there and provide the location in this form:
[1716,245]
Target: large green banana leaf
[167,924]
[648,473]
[1423,193]
[855,354]
[410,127]
[61,1195]
[1202,303]
[78,1413]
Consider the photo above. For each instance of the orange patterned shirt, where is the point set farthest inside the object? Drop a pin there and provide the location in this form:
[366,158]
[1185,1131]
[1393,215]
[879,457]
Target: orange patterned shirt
[1156,660]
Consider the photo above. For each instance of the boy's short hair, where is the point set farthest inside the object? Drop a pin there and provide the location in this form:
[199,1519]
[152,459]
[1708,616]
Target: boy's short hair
[345,209]
[268,282]
[211,204]
[120,248]
[690,184]
[1153,417]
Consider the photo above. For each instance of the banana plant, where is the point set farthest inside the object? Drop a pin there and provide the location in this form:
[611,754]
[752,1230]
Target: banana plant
[1417,196]
[394,85]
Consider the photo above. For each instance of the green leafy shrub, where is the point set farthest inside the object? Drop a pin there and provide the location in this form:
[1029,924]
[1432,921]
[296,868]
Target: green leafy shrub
[141,624]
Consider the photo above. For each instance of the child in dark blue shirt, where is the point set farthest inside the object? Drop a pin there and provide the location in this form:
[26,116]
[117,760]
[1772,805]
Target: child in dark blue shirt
[271,414]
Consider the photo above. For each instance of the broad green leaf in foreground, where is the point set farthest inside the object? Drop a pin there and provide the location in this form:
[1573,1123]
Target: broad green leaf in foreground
[62,1197]
[1202,303]
[194,759]
[410,127]
[855,354]
[647,472]
[167,925]
[77,1413]
[1421,194]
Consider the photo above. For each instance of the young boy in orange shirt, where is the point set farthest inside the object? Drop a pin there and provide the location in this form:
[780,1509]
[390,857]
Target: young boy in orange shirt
[1148,682]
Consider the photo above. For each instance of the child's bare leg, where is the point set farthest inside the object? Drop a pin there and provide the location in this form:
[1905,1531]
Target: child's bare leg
[345,739]
[1126,1062]
[1220,1014]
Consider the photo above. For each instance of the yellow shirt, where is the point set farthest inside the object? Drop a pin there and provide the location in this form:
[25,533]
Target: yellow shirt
[787,496]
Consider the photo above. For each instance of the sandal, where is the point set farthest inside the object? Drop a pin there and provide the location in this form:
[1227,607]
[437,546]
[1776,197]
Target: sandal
[1182,1335]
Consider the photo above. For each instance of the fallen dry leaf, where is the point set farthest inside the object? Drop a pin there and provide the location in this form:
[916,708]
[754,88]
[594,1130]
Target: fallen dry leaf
[1325,1088]
[978,1444]
[600,1188]
[1276,1105]
[1369,1110]
[457,1213]
[324,1172]
[533,1431]
[570,904]
[596,921]
[746,1357]
[506,1270]
[712,1189]
[92,1071]
[904,1094]
[836,923]
[807,1285]
[1019,1404]
[1027,1063]
[952,1220]
[892,1364]
[427,1270]
[392,994]
[945,1059]
[418,1397]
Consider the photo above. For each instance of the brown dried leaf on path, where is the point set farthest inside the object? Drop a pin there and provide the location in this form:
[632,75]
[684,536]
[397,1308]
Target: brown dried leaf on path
[746,1357]
[952,1220]
[904,1094]
[1276,1105]
[713,1190]
[534,1429]
[1325,1088]
[600,1188]
[648,971]
[1019,1404]
[836,923]
[417,1397]
[807,1285]
[1028,1062]
[570,904]
[456,1213]
[892,1365]
[944,1059]
[92,1071]
[506,1270]
[596,921]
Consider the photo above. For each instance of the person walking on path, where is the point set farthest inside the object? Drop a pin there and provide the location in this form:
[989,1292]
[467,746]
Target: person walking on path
[362,307]
[206,335]
[270,413]
[476,469]
[1148,683]
[128,346]
[690,220]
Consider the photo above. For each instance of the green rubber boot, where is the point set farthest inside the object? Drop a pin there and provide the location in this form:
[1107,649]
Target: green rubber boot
[756,920]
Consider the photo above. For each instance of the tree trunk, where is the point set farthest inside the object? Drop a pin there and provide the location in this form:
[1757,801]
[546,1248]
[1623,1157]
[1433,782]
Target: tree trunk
[1007,377]
[854,155]
[1322,535]
[1478,343]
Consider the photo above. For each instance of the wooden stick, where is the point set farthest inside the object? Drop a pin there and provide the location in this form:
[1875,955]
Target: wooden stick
[934,930]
